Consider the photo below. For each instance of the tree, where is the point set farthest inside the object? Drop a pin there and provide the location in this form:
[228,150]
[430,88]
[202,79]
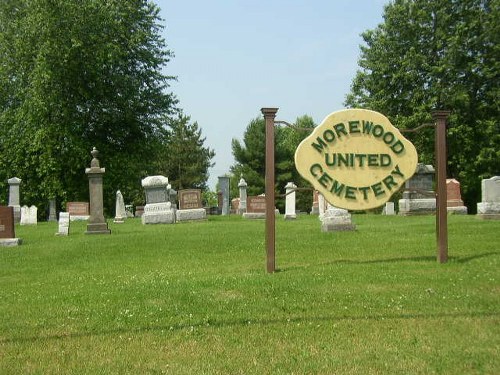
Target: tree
[250,159]
[438,55]
[185,158]
[78,74]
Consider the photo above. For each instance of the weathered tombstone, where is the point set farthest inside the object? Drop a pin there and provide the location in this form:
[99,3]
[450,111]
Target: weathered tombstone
[315,205]
[129,209]
[388,209]
[419,197]
[322,205]
[224,187]
[139,211]
[454,202]
[242,207]
[15,197]
[190,207]
[7,234]
[489,207]
[219,202]
[235,205]
[120,213]
[290,213]
[52,210]
[29,215]
[256,207]
[158,210]
[78,210]
[336,219]
[96,223]
[63,224]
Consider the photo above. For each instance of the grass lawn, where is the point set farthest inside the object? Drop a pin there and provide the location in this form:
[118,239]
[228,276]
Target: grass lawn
[194,298]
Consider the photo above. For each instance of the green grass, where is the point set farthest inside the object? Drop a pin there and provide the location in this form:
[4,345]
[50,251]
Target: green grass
[194,298]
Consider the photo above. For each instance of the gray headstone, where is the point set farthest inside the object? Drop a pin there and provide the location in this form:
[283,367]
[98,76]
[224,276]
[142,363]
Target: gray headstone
[158,210]
[224,187]
[96,223]
[242,206]
[15,197]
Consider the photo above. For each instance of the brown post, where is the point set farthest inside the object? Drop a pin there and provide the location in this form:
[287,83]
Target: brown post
[269,115]
[441,212]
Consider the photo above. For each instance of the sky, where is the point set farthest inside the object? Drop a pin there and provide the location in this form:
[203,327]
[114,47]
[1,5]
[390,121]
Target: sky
[234,57]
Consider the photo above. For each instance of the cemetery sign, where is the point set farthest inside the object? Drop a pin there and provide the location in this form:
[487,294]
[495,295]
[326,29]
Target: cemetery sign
[356,158]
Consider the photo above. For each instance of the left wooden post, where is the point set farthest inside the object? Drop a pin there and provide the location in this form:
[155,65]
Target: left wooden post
[269,115]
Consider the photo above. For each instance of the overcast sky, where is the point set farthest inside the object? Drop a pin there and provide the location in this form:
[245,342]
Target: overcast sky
[233,57]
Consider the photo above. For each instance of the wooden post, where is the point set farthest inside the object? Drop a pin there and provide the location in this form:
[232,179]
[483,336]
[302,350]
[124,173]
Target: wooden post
[441,198]
[269,115]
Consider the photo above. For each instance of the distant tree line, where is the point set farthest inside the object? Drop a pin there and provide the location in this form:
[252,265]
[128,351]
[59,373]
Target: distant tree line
[80,74]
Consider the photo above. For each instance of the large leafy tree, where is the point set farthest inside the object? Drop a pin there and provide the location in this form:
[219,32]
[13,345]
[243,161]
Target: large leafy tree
[78,74]
[438,55]
[186,159]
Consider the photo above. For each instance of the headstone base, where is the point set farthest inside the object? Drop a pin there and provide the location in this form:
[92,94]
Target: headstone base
[423,206]
[457,210]
[489,216]
[10,241]
[290,216]
[78,217]
[254,215]
[158,213]
[98,228]
[191,214]
[118,220]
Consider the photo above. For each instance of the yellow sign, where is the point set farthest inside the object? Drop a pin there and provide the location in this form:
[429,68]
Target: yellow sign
[356,158]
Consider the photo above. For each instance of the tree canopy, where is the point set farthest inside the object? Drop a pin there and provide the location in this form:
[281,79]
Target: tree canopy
[77,75]
[439,54]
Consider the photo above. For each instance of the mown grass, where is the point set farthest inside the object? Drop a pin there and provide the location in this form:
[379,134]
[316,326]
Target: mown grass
[194,298]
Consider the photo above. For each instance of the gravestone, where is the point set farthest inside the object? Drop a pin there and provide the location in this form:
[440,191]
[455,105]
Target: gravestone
[52,210]
[96,223]
[489,207]
[290,213]
[15,197]
[29,215]
[419,197]
[235,205]
[256,207]
[78,210]
[7,234]
[336,219]
[129,209]
[190,206]
[315,204]
[120,213]
[224,187]
[242,207]
[64,221]
[454,202]
[388,209]
[158,210]
[322,206]
[139,211]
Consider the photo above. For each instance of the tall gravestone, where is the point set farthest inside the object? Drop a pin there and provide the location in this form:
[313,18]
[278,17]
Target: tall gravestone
[290,213]
[224,187]
[96,223]
[454,202]
[158,209]
[419,197]
[120,213]
[489,207]
[15,197]
[52,210]
[242,207]
[315,204]
[7,233]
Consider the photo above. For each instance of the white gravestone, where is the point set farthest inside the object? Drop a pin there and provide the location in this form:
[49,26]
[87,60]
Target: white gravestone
[28,215]
[388,209]
[120,213]
[336,219]
[489,207]
[290,213]
[63,224]
[242,207]
[157,209]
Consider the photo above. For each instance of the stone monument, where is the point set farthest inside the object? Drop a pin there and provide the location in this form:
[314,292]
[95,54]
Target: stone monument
[78,211]
[52,210]
[29,215]
[15,197]
[96,223]
[419,197]
[315,204]
[454,202]
[158,210]
[120,213]
[224,187]
[336,219]
[63,224]
[489,207]
[290,213]
[7,235]
[242,185]
[256,207]
[388,209]
[190,207]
